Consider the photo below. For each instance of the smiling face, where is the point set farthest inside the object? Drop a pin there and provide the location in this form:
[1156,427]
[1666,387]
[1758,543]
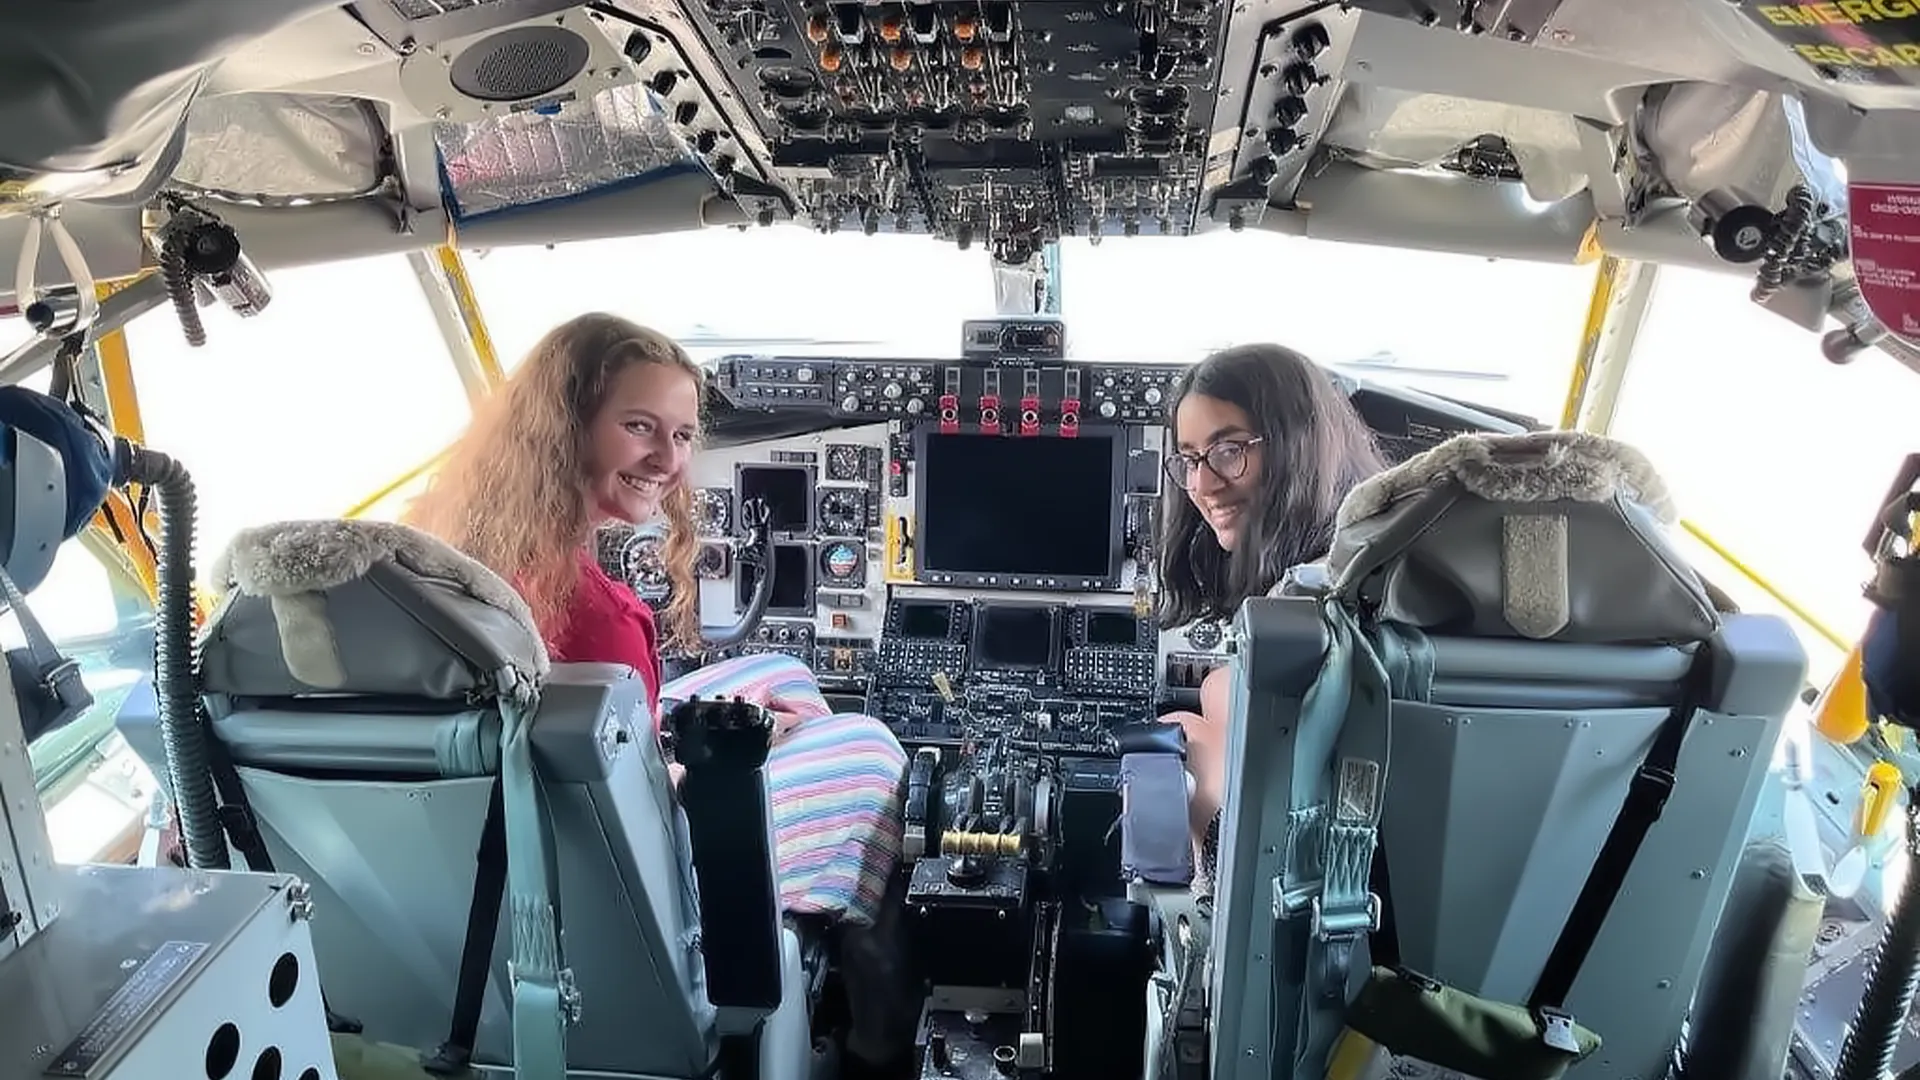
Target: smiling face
[639,442]
[1220,434]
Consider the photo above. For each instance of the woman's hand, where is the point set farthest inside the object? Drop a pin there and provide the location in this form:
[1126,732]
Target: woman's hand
[784,721]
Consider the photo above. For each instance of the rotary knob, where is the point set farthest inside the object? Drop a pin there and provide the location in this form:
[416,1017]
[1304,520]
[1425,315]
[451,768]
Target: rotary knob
[914,405]
[891,391]
[849,404]
[1108,409]
[1151,395]
[805,374]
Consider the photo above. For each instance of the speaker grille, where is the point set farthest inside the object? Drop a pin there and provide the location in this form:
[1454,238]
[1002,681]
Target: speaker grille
[517,64]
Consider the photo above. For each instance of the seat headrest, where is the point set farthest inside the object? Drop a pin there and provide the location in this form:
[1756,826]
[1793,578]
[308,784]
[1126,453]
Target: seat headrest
[365,607]
[1551,536]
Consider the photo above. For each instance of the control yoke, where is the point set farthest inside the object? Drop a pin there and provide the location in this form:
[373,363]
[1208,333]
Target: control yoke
[756,554]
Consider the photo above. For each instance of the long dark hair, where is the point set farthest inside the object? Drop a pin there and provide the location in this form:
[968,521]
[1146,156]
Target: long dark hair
[1314,448]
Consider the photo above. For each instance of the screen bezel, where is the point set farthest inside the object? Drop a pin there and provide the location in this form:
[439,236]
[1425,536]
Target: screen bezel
[1116,436]
[808,473]
[809,554]
[983,613]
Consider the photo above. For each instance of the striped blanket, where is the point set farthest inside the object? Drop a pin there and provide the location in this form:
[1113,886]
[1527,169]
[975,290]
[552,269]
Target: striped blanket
[835,781]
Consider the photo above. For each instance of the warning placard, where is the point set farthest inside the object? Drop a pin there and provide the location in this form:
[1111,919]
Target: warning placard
[1856,41]
[1884,226]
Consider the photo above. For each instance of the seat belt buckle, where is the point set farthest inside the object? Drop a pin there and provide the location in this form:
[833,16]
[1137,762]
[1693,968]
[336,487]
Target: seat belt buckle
[1556,1029]
[1336,925]
[62,681]
[1653,785]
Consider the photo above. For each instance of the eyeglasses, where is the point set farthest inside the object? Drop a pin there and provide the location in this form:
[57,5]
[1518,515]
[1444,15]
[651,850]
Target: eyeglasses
[1226,459]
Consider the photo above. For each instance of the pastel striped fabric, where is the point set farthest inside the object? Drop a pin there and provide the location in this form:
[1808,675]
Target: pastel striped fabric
[835,783]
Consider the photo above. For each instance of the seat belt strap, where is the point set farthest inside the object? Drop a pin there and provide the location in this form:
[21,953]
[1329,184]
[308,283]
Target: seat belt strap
[236,814]
[1646,799]
[476,952]
[544,998]
[1346,909]
[1407,655]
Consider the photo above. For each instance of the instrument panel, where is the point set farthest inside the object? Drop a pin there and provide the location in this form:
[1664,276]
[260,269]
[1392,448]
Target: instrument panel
[987,519]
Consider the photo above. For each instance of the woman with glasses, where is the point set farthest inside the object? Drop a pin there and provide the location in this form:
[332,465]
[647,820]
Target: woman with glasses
[1265,448]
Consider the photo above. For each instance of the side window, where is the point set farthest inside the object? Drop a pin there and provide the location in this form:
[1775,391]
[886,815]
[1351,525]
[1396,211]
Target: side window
[1774,454]
[94,789]
[340,385]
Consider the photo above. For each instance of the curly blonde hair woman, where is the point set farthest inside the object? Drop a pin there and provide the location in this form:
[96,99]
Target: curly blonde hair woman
[495,497]
[599,425]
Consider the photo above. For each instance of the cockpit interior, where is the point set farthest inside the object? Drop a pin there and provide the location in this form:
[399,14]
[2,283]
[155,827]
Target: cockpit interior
[440,851]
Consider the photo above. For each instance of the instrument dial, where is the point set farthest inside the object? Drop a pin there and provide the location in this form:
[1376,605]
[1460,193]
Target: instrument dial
[843,511]
[843,565]
[843,462]
[1204,635]
[713,511]
[643,567]
[714,562]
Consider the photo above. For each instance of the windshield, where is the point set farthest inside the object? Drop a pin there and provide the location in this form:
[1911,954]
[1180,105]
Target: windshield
[1493,332]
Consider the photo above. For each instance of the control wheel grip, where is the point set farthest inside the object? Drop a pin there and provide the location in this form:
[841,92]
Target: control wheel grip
[734,735]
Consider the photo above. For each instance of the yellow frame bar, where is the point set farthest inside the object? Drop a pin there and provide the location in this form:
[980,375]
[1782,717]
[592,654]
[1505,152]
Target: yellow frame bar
[395,484]
[1606,277]
[461,286]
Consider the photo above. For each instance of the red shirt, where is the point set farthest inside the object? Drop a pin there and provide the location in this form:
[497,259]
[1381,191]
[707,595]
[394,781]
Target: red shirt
[608,624]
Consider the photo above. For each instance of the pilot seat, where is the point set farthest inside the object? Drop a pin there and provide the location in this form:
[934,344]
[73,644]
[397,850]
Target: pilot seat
[359,679]
[1501,739]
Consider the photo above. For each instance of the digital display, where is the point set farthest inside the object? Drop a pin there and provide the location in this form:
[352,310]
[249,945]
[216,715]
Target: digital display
[787,490]
[1112,628]
[926,621]
[1020,506]
[1013,637]
[792,581]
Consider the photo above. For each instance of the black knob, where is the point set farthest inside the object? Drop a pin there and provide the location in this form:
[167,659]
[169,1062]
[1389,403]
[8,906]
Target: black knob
[1300,78]
[1289,110]
[1264,169]
[686,113]
[1282,140]
[1311,41]
[664,82]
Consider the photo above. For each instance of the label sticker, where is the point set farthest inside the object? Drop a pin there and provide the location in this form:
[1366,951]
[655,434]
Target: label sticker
[1875,42]
[126,1008]
[1884,227]
[1359,792]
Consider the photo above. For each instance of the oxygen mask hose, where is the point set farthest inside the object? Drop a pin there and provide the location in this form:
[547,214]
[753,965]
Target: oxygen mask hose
[176,668]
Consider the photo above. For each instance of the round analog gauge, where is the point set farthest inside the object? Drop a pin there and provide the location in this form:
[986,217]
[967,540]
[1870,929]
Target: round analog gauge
[843,462]
[714,562]
[713,511]
[642,565]
[1204,635]
[843,511]
[842,564]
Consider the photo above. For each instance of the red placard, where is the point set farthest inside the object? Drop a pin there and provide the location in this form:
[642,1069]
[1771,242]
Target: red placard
[1884,222]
